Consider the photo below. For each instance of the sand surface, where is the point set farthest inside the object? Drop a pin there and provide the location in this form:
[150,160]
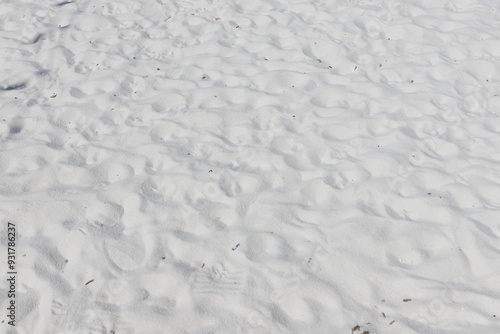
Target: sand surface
[216,166]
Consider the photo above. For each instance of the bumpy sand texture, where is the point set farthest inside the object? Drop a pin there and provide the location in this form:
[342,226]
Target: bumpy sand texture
[252,166]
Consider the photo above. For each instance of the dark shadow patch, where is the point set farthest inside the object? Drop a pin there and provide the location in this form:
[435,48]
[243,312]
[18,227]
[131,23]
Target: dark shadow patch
[185,236]
[37,38]
[64,3]
[75,92]
[43,73]
[14,87]
[15,129]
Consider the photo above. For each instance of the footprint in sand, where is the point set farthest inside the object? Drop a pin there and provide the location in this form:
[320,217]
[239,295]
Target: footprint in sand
[219,280]
[129,253]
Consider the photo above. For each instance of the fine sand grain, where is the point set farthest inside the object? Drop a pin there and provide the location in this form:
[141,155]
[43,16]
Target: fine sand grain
[216,166]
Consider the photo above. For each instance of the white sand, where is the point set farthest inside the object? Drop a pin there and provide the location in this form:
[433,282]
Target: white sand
[240,166]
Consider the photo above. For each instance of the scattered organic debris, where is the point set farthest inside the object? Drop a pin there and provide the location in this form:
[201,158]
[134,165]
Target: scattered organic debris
[385,316]
[89,282]
[53,96]
[358,328]
[407,300]
[238,245]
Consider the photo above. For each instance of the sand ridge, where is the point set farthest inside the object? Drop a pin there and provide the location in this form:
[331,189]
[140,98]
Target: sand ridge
[252,167]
